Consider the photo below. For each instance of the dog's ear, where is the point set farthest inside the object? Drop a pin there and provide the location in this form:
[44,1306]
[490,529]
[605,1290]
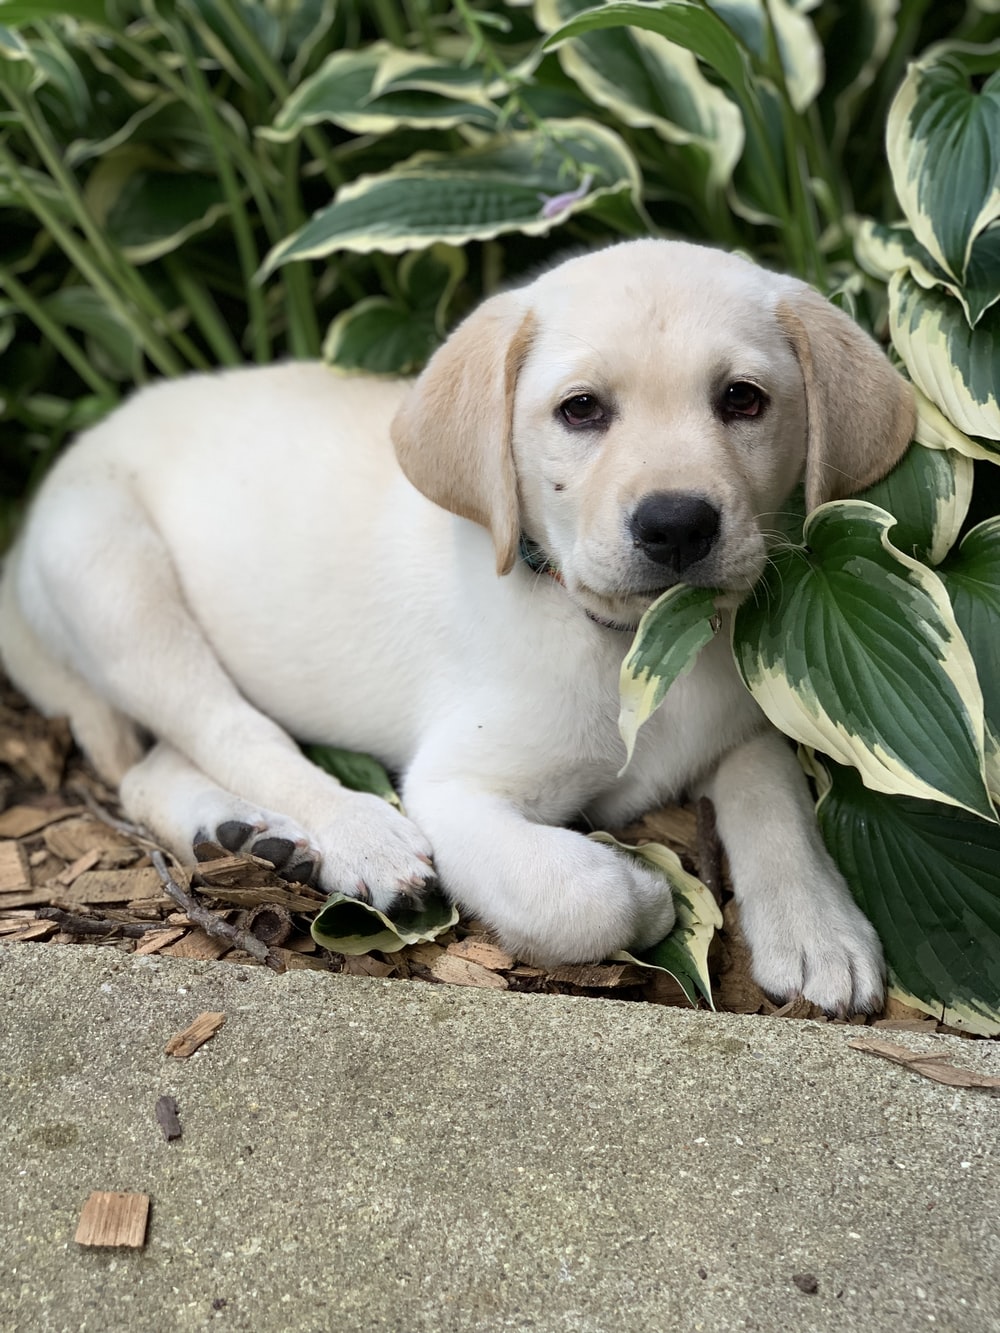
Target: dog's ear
[453,431]
[860,410]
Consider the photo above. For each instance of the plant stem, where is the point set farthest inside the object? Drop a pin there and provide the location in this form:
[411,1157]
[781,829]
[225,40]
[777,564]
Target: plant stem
[205,313]
[56,335]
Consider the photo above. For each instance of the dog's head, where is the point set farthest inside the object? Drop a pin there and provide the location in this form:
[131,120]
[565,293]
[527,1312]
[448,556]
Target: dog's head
[643,412]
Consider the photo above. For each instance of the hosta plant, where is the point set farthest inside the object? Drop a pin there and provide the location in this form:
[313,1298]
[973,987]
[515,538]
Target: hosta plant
[186,183]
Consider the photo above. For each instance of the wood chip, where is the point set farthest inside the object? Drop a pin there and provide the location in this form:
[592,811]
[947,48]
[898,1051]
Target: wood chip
[358,965]
[424,954]
[167,1118]
[73,872]
[114,886]
[463,972]
[37,930]
[110,1218]
[28,898]
[483,952]
[934,1065]
[22,820]
[73,838]
[198,944]
[14,873]
[204,1027]
[159,939]
[276,895]
[603,976]
[244,870]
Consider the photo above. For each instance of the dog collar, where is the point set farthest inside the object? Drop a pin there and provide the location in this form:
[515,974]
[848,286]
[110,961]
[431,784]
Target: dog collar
[540,562]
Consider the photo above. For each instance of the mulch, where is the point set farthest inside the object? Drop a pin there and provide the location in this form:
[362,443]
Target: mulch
[73,871]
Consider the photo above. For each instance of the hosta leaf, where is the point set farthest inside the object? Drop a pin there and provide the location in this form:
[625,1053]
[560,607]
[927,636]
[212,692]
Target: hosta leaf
[852,648]
[689,25]
[958,368]
[972,576]
[798,46]
[943,143]
[359,772]
[928,494]
[19,68]
[936,432]
[684,952]
[16,12]
[856,42]
[345,91]
[649,82]
[926,875]
[381,337]
[346,925]
[881,250]
[82,308]
[527,182]
[670,636]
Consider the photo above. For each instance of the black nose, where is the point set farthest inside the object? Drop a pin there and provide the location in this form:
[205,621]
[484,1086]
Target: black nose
[674,529]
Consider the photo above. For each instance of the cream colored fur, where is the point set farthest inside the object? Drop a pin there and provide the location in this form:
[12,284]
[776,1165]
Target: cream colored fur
[232,560]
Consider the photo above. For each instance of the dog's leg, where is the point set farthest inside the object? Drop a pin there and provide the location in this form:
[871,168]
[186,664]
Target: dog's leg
[805,931]
[552,896]
[182,808]
[103,594]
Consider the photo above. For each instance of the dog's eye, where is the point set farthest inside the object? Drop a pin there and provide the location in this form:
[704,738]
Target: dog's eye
[743,399]
[582,409]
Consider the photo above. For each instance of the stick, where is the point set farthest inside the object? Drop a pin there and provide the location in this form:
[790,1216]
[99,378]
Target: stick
[94,925]
[210,923]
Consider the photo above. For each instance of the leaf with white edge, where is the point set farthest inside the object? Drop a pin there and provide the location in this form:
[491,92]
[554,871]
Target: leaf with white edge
[668,640]
[684,952]
[344,91]
[881,250]
[972,576]
[958,368]
[648,82]
[926,876]
[502,185]
[359,772]
[380,336]
[19,67]
[860,33]
[690,25]
[15,12]
[852,647]
[349,926]
[928,494]
[799,48]
[935,431]
[943,144]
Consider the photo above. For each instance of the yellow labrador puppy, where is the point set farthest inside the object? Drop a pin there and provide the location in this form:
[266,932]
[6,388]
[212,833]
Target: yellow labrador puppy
[235,559]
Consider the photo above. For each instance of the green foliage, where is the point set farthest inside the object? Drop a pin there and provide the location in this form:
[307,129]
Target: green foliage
[185,183]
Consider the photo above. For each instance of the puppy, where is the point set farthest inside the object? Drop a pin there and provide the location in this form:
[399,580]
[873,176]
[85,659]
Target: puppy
[235,559]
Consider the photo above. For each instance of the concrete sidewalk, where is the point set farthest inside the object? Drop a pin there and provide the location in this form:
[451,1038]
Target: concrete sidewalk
[385,1155]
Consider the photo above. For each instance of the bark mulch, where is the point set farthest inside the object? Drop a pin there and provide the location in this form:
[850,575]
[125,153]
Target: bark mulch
[73,871]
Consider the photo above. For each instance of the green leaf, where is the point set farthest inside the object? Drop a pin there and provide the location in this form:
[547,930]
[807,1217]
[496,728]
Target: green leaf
[359,772]
[690,25]
[684,952]
[19,69]
[649,82]
[852,648]
[928,494]
[881,250]
[84,309]
[972,576]
[527,182]
[926,876]
[798,46]
[935,431]
[958,368]
[943,143]
[349,926]
[668,640]
[381,337]
[148,212]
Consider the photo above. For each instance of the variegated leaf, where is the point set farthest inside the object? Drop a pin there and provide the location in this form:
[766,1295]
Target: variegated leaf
[349,926]
[928,493]
[649,82]
[957,367]
[668,640]
[881,250]
[943,143]
[684,952]
[926,876]
[527,182]
[799,48]
[861,34]
[852,647]
[936,432]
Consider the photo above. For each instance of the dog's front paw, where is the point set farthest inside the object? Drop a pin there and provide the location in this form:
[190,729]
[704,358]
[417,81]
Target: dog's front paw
[372,852]
[263,833]
[825,951]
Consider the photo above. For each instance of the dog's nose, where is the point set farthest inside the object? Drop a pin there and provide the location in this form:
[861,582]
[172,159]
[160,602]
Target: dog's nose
[674,529]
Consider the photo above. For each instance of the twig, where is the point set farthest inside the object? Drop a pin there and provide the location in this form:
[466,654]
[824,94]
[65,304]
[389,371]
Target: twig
[210,923]
[94,925]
